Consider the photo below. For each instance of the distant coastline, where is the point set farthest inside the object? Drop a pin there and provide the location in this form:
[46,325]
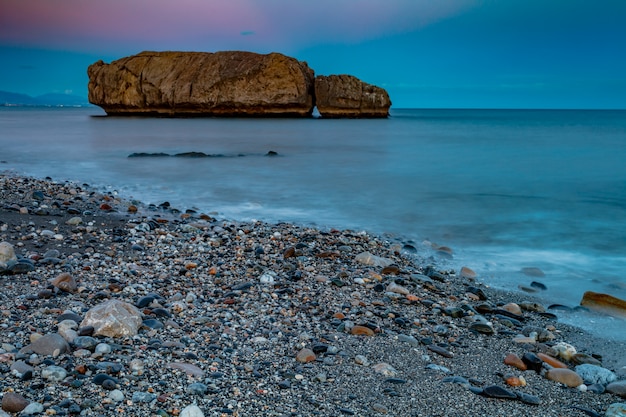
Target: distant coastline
[10,99]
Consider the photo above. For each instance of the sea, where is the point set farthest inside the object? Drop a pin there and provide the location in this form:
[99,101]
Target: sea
[520,196]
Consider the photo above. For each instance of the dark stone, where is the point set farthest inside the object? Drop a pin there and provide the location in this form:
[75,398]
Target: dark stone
[532,361]
[161,312]
[495,391]
[109,384]
[86,331]
[528,398]
[69,316]
[318,348]
[395,380]
[440,351]
[98,379]
[477,291]
[144,301]
[481,327]
[538,285]
[85,342]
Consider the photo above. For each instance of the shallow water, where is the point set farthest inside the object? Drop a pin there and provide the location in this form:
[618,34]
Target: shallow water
[506,189]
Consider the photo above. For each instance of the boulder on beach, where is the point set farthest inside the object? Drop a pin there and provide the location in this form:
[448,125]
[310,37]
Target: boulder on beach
[347,96]
[229,83]
[7,253]
[604,303]
[113,318]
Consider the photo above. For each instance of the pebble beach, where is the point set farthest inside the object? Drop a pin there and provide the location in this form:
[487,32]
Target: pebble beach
[114,307]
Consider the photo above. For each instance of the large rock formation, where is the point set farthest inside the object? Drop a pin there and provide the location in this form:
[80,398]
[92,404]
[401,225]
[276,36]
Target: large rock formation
[197,83]
[227,84]
[347,96]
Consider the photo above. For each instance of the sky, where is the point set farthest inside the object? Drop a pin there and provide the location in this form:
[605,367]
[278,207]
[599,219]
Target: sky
[425,53]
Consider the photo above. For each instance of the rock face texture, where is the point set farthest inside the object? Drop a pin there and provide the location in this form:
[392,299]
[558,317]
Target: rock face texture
[347,96]
[208,84]
[227,83]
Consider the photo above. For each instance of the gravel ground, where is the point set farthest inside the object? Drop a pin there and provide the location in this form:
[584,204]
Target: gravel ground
[230,311]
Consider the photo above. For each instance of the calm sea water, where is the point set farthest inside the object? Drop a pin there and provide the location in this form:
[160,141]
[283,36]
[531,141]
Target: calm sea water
[505,189]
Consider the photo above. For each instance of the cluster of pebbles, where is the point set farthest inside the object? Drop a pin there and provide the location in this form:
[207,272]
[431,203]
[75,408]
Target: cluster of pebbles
[113,308]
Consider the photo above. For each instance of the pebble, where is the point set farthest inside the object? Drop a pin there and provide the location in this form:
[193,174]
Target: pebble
[408,339]
[595,374]
[65,282]
[191,411]
[32,409]
[305,355]
[361,331]
[616,410]
[513,308]
[188,368]
[143,397]
[52,344]
[197,388]
[85,342]
[385,369]
[564,350]
[116,396]
[495,391]
[361,360]
[54,373]
[553,362]
[564,376]
[618,388]
[13,402]
[440,351]
[532,361]
[513,360]
[480,327]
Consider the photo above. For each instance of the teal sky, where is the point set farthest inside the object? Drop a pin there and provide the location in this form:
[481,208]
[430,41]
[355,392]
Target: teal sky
[426,53]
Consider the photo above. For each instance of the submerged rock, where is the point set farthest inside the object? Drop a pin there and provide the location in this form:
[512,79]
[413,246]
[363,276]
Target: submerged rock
[604,303]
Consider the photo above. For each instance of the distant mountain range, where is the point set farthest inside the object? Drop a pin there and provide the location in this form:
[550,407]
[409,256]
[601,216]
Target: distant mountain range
[52,99]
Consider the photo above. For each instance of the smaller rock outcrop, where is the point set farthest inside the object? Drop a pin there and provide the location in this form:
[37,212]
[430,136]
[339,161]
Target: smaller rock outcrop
[340,96]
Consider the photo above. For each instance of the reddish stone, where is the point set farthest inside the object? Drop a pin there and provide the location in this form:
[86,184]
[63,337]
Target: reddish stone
[305,355]
[513,360]
[362,331]
[553,362]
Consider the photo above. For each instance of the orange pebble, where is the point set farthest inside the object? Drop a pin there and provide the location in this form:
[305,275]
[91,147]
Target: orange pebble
[553,362]
[339,316]
[513,360]
[362,330]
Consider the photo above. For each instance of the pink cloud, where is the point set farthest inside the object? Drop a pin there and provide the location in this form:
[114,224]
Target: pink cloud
[211,24]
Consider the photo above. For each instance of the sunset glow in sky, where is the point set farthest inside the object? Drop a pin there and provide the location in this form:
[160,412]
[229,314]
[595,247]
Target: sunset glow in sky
[444,53]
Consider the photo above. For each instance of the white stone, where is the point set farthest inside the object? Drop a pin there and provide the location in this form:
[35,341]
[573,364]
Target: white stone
[367,258]
[54,373]
[113,318]
[191,411]
[116,396]
[7,253]
[32,409]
